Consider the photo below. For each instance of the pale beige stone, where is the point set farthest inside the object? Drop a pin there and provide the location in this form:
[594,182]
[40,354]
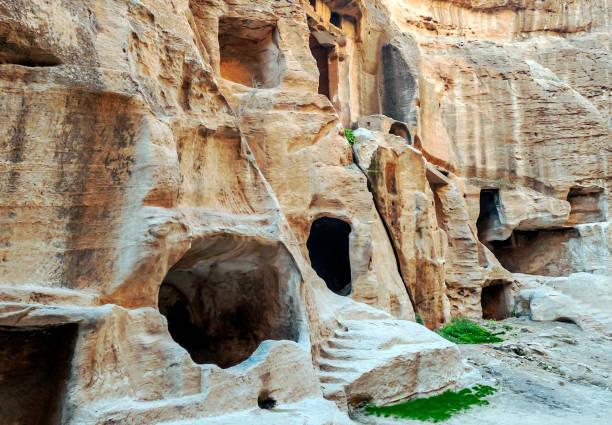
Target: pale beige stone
[143,140]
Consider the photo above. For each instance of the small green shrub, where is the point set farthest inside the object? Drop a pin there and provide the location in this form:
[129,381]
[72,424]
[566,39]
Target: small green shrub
[350,136]
[419,319]
[464,331]
[437,408]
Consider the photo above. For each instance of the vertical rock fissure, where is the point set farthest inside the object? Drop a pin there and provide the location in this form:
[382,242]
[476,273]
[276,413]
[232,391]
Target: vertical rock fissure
[393,247]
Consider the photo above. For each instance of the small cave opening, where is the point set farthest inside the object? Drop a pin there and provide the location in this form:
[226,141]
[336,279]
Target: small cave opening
[34,372]
[249,53]
[335,19]
[227,295]
[24,47]
[548,252]
[321,55]
[264,401]
[328,249]
[31,57]
[488,218]
[586,205]
[495,301]
[401,130]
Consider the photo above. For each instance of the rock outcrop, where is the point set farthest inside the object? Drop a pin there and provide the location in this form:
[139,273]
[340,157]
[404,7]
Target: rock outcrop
[186,234]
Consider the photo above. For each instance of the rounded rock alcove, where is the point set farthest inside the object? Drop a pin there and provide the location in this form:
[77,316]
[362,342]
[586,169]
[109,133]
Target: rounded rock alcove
[227,295]
[249,53]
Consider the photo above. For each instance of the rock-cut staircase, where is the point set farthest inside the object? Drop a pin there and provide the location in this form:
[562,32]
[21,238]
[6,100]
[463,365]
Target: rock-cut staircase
[384,361]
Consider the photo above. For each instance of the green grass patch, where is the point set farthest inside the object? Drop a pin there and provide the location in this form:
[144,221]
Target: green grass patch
[350,136]
[437,408]
[419,319]
[464,331]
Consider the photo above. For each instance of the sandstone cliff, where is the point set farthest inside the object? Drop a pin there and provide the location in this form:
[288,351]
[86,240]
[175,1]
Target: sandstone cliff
[186,233]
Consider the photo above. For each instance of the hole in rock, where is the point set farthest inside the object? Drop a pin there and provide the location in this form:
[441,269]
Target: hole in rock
[19,47]
[495,301]
[335,19]
[586,203]
[227,295]
[264,401]
[328,248]
[321,55]
[541,252]
[400,129]
[488,218]
[34,369]
[249,52]
[313,3]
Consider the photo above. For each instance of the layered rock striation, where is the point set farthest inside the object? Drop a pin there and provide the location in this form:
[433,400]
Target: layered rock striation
[186,232]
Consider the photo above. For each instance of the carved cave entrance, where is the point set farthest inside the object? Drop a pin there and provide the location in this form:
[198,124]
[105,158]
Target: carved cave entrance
[321,55]
[328,248]
[34,370]
[586,203]
[488,218]
[249,52]
[550,252]
[401,130]
[495,301]
[227,295]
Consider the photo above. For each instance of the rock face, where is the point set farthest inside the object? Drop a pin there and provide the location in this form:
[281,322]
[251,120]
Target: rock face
[186,233]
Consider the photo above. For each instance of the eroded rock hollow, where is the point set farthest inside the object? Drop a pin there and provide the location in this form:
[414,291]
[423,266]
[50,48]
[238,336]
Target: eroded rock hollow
[212,208]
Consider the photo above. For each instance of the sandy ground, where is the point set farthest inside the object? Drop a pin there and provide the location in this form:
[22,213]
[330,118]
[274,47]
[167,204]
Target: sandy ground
[546,373]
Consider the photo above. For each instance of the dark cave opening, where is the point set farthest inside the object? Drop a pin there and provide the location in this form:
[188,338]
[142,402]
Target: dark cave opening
[328,248]
[494,301]
[264,401]
[547,252]
[335,19]
[488,218]
[321,55]
[34,372]
[224,299]
[401,130]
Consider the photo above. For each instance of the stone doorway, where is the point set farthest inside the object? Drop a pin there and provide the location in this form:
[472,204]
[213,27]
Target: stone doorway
[488,219]
[35,368]
[495,301]
[321,55]
[328,248]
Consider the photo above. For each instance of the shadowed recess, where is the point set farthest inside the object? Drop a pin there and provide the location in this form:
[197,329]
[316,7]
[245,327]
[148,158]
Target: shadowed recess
[328,248]
[321,55]
[34,370]
[227,295]
[488,219]
[249,52]
[22,47]
[587,205]
[495,301]
[400,129]
[543,252]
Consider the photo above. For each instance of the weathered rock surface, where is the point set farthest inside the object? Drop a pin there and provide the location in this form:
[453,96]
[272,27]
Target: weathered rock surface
[187,235]
[545,372]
